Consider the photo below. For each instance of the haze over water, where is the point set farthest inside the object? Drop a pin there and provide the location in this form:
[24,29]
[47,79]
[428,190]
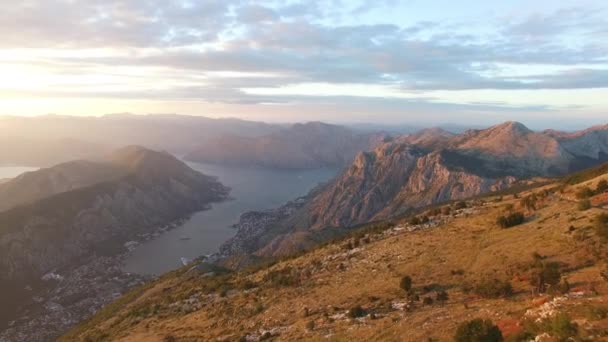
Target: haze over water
[252,189]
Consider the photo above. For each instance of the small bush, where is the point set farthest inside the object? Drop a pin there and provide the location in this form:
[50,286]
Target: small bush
[601,225]
[584,192]
[511,220]
[283,277]
[169,338]
[529,202]
[414,221]
[460,205]
[478,330]
[584,205]
[246,285]
[442,297]
[561,327]
[493,288]
[406,283]
[427,301]
[602,186]
[356,312]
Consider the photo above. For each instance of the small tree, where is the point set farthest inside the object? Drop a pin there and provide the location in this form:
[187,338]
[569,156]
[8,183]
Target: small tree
[478,330]
[406,283]
[545,273]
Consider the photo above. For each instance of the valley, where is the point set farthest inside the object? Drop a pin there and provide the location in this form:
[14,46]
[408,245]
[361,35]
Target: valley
[252,188]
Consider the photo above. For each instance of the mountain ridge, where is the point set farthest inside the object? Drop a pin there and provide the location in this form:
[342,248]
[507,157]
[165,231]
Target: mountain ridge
[300,146]
[397,176]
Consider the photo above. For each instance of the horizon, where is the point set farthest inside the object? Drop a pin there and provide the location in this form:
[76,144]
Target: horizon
[343,62]
[395,127]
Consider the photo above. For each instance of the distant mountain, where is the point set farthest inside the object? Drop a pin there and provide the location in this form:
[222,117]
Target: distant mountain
[430,167]
[73,211]
[51,139]
[32,186]
[300,146]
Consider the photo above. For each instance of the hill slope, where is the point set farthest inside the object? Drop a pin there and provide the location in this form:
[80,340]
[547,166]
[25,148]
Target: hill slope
[463,266]
[66,230]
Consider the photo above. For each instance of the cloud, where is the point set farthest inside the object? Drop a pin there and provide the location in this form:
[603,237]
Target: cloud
[286,43]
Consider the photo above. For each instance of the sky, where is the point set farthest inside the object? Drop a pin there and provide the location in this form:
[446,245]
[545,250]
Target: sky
[471,62]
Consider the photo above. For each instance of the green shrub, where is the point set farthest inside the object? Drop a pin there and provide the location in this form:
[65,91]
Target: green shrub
[511,220]
[414,221]
[478,330]
[584,205]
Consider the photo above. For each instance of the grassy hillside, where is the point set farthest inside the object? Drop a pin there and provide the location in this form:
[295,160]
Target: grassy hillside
[546,275]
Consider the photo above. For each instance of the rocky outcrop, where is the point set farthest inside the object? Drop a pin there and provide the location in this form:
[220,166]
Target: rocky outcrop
[393,179]
[301,146]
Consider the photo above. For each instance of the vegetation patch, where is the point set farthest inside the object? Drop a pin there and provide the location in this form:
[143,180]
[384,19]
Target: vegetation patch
[511,220]
[478,330]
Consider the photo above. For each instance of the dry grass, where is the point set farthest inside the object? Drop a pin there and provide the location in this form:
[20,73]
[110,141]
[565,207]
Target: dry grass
[328,281]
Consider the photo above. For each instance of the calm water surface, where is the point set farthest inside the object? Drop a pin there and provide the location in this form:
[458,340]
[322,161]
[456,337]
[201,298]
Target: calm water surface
[205,231]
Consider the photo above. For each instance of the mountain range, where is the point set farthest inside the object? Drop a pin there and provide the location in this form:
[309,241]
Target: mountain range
[450,272]
[52,139]
[423,169]
[300,146]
